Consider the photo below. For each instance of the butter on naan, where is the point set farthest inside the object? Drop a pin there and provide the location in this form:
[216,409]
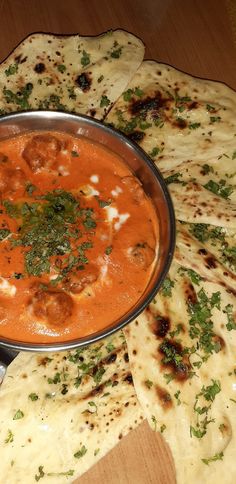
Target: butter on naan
[62,412]
[184,375]
[72,73]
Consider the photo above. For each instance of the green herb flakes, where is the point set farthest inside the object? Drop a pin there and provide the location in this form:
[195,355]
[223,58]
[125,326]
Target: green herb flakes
[148,384]
[10,437]
[40,474]
[4,234]
[174,179]
[116,53]
[85,59]
[81,452]
[12,69]
[220,189]
[104,101]
[231,324]
[154,420]
[61,68]
[33,397]
[215,457]
[18,415]
[74,153]
[194,125]
[108,250]
[166,289]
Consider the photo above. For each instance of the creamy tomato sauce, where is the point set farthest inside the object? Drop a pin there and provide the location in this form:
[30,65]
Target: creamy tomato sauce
[78,237]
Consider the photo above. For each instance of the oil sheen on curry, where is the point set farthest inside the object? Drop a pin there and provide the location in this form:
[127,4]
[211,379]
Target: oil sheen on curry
[78,237]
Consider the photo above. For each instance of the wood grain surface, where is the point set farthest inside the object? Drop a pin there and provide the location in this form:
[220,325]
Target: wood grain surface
[198,37]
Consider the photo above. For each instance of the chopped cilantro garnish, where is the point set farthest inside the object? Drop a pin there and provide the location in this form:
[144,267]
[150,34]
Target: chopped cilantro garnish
[215,457]
[110,347]
[108,250]
[215,119]
[201,325]
[21,97]
[154,420]
[168,377]
[49,227]
[9,438]
[127,95]
[80,453]
[210,108]
[12,69]
[231,324]
[56,379]
[40,474]
[74,153]
[166,289]
[116,53]
[18,415]
[206,169]
[103,203]
[220,189]
[85,59]
[176,395]
[203,232]
[194,276]
[194,125]
[33,397]
[207,394]
[98,375]
[4,233]
[104,101]
[148,383]
[174,179]
[155,151]
[30,188]
[61,68]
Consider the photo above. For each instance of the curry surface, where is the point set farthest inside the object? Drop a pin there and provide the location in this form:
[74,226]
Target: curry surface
[78,237]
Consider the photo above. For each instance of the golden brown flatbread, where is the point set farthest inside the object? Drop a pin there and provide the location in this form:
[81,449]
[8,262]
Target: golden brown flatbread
[69,73]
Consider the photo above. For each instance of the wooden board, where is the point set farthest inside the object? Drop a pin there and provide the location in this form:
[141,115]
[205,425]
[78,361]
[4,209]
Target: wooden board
[197,37]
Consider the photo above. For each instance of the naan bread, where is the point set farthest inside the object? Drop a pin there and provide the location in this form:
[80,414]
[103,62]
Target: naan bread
[177,118]
[183,365]
[62,412]
[72,73]
[187,125]
[182,347]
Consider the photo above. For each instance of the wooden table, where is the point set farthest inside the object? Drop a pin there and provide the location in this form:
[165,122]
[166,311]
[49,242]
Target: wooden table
[198,37]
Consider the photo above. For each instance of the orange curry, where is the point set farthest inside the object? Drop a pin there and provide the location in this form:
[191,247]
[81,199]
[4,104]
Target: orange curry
[78,237]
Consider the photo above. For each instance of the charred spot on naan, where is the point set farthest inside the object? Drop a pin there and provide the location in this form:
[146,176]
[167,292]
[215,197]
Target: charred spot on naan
[174,358]
[159,325]
[164,397]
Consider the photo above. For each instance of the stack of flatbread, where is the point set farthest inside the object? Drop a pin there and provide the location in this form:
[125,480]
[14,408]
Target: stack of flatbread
[61,412]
